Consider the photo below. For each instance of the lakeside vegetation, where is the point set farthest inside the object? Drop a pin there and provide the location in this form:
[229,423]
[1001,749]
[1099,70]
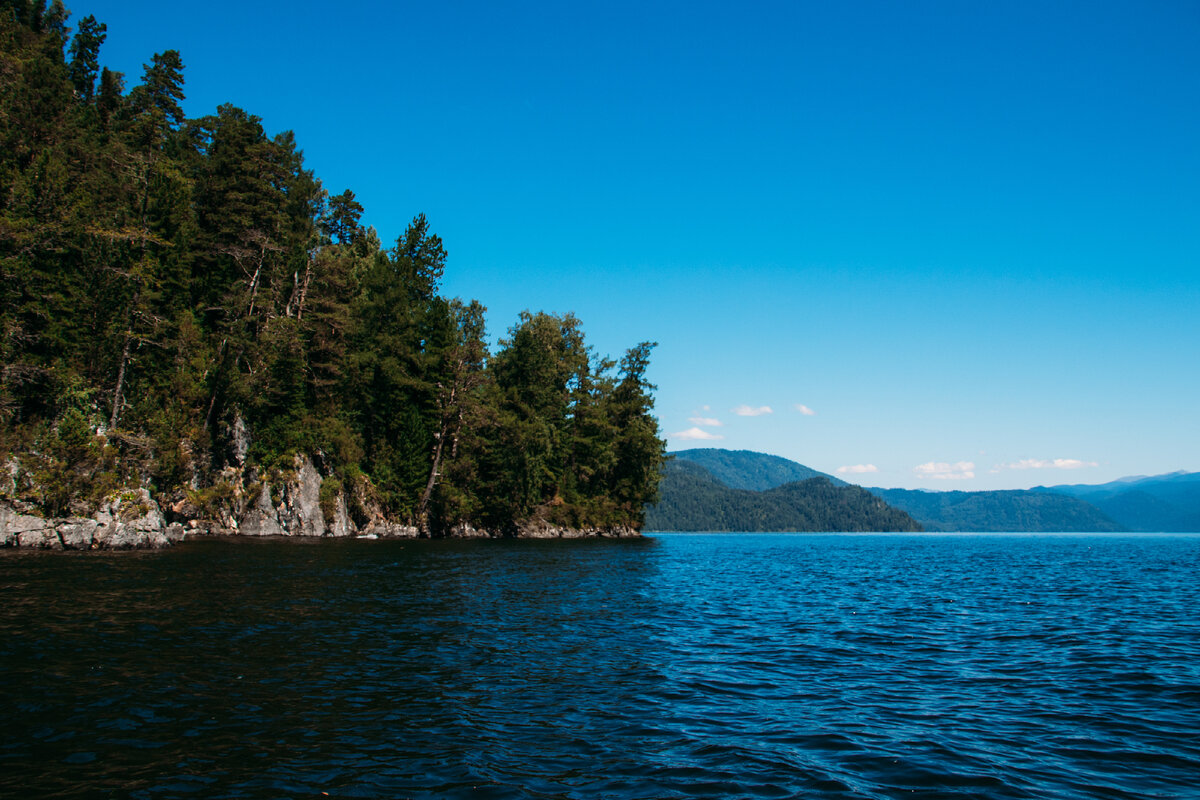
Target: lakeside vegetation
[180,298]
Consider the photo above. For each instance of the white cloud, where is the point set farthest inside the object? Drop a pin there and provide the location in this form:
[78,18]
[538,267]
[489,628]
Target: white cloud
[694,433]
[707,422]
[750,411]
[857,469]
[805,410]
[944,471]
[1046,463]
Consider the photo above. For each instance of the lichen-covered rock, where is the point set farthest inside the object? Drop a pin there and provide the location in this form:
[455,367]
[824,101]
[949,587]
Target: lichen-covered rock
[8,478]
[26,530]
[465,530]
[540,529]
[298,511]
[261,519]
[382,529]
[129,520]
[300,514]
[77,533]
[40,539]
[342,525]
[240,440]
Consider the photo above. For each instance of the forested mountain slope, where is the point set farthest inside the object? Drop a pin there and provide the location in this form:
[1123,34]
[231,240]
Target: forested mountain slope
[1016,510]
[691,499]
[1155,503]
[746,469]
[1011,510]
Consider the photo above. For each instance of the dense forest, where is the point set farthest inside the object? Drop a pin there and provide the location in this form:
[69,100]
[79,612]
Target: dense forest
[182,298]
[1000,510]
[1056,508]
[692,499]
[746,469]
[1147,503]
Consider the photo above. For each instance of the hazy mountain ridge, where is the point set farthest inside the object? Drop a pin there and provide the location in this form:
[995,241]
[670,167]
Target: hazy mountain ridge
[746,469]
[1141,503]
[996,511]
[1168,503]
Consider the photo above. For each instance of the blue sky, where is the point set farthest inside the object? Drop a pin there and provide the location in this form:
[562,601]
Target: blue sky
[965,237]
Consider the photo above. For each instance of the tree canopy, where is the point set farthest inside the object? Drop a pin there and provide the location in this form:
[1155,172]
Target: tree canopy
[181,297]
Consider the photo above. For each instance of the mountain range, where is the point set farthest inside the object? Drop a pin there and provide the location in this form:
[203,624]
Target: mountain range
[693,499]
[1157,503]
[713,489]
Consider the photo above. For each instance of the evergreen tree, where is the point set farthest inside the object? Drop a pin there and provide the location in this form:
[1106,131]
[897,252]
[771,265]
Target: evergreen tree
[344,213]
[85,56]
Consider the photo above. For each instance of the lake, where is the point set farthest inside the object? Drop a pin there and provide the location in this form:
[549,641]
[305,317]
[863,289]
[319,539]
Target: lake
[674,666]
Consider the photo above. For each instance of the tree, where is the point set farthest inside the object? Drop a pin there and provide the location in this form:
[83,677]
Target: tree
[110,100]
[85,56]
[461,353]
[155,101]
[344,213]
[392,365]
[639,450]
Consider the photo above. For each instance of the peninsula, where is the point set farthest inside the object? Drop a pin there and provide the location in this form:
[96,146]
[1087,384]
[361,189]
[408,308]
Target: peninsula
[198,337]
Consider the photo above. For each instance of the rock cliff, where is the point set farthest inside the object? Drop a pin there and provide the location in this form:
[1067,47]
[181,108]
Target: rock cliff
[127,521]
[247,504]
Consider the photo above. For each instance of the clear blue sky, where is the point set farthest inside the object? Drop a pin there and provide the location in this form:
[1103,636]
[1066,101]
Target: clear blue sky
[966,235]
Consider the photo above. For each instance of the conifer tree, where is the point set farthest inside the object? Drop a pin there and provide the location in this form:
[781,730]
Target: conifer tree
[85,56]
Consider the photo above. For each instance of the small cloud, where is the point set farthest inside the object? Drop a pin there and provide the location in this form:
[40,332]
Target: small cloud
[750,411]
[1044,463]
[944,471]
[694,433]
[857,469]
[805,410]
[707,422]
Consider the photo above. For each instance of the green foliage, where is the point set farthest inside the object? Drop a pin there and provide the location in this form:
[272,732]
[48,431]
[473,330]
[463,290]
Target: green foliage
[179,297]
[746,469]
[331,489]
[693,500]
[85,56]
[1008,510]
[211,500]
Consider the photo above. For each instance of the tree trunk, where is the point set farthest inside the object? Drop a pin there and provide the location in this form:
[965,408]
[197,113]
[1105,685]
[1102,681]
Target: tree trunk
[116,406]
[423,507]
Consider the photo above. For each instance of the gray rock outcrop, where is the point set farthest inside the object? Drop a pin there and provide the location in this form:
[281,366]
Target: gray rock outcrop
[131,520]
[288,505]
[298,510]
[539,529]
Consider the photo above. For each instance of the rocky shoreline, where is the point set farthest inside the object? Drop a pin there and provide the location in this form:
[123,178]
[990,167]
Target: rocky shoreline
[133,519]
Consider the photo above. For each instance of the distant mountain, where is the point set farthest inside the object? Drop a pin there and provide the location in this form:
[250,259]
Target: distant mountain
[1142,503]
[692,499]
[746,469]
[1010,510]
[1151,482]
[1154,503]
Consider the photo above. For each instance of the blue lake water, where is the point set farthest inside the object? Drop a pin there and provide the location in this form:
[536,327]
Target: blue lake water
[677,666]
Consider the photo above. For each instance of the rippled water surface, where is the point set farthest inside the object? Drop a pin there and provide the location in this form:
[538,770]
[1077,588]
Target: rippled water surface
[682,665]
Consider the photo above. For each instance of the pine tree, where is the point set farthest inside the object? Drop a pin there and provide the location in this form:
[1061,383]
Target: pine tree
[85,56]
